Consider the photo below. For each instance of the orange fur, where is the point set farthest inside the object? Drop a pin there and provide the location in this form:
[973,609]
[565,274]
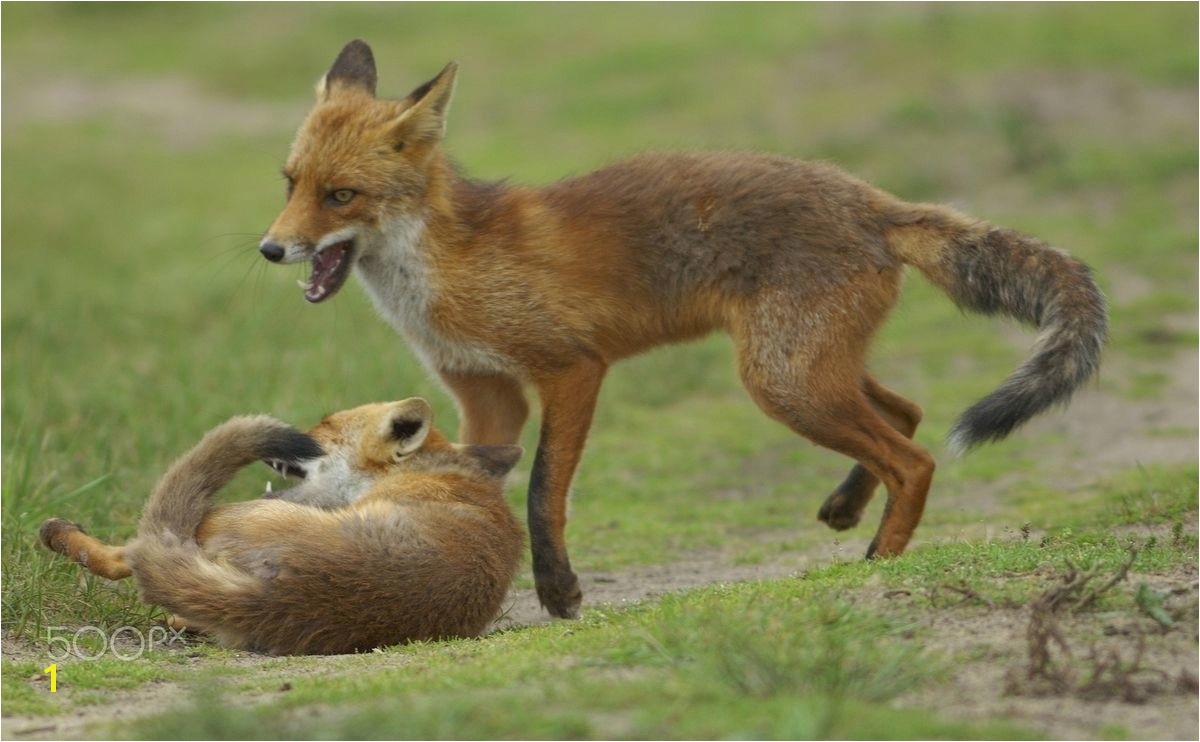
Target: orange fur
[497,287]
[394,534]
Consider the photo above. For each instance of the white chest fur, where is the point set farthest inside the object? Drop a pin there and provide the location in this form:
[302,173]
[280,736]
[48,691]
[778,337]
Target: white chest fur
[330,482]
[401,280]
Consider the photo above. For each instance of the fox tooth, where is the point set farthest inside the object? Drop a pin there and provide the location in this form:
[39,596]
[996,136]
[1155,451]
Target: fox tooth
[303,284]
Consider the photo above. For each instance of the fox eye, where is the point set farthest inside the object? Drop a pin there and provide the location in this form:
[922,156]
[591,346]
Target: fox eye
[342,196]
[291,186]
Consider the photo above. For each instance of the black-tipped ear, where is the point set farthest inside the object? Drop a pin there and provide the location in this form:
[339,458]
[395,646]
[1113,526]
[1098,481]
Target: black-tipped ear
[408,423]
[442,89]
[402,430]
[353,68]
[495,460]
[424,119]
[418,94]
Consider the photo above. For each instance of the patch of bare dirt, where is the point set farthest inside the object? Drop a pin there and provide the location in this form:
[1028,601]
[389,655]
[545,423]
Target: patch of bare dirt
[1071,675]
[1109,432]
[694,569]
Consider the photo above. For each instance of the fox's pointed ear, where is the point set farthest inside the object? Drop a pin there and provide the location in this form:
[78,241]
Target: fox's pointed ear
[425,118]
[354,69]
[407,424]
[495,460]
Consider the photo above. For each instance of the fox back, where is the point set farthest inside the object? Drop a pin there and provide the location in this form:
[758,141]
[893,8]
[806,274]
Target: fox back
[500,286]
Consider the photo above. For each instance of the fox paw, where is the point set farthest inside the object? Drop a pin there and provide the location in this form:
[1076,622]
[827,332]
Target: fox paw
[839,512]
[53,530]
[560,595]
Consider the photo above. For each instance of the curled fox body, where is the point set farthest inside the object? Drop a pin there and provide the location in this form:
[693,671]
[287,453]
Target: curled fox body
[393,534]
[501,287]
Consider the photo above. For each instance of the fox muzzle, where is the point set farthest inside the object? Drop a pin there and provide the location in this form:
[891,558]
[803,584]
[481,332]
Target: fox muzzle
[272,252]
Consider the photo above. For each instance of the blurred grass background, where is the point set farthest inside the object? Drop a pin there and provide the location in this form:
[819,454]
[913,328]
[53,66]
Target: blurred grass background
[141,150]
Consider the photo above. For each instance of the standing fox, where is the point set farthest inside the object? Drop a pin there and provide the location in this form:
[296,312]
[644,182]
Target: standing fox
[497,287]
[393,535]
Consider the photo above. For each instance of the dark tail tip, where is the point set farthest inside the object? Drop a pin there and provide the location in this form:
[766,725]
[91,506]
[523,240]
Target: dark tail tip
[990,419]
[1050,377]
[289,446]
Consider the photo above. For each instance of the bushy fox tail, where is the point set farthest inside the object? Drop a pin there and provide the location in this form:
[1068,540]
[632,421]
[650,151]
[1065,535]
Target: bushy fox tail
[184,494]
[168,564]
[997,271]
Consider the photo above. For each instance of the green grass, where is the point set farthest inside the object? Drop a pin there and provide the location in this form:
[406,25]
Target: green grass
[811,657]
[141,152]
[814,656]
[83,683]
[768,660]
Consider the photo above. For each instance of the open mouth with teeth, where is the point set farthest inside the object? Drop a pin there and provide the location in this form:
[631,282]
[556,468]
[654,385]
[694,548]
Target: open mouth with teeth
[330,267]
[291,471]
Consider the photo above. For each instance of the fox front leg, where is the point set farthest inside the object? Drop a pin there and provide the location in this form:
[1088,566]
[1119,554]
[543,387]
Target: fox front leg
[568,401]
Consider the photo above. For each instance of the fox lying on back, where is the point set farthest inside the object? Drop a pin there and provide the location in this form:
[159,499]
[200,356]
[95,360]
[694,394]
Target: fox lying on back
[393,535]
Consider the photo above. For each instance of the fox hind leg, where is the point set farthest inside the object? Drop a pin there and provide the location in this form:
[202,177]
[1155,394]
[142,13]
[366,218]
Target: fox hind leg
[847,423]
[802,362]
[70,540]
[844,507]
[181,624]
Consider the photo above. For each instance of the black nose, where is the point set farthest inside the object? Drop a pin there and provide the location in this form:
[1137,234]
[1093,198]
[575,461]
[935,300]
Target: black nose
[271,251]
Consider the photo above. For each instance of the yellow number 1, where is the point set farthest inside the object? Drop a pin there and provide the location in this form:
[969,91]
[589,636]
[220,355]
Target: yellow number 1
[53,670]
